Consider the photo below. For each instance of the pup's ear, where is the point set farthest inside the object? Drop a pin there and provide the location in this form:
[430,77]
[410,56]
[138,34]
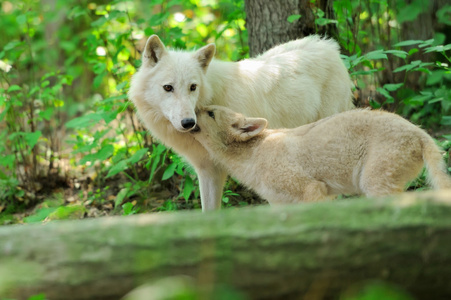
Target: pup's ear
[205,54]
[251,128]
[153,51]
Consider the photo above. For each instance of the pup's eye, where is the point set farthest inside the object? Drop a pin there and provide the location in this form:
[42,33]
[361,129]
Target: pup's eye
[168,88]
[211,114]
[193,87]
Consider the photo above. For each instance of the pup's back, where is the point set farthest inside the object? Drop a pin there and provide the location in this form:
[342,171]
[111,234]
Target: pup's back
[357,152]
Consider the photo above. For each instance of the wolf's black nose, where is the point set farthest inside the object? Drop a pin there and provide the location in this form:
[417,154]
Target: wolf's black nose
[188,123]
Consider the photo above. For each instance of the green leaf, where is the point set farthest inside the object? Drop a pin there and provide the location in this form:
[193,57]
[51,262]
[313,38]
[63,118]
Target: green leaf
[409,12]
[138,155]
[67,212]
[408,43]
[169,172]
[385,93]
[104,153]
[378,54]
[439,48]
[365,72]
[121,85]
[32,138]
[99,22]
[188,187]
[109,116]
[417,100]
[324,21]
[293,18]
[117,168]
[120,196]
[14,88]
[39,215]
[129,209]
[446,120]
[12,45]
[113,99]
[8,160]
[426,43]
[84,121]
[38,297]
[47,114]
[21,19]
[392,86]
[443,15]
[408,67]
[398,53]
[76,12]
[98,79]
[3,176]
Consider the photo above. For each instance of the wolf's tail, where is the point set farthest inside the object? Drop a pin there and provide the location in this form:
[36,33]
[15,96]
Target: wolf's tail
[435,165]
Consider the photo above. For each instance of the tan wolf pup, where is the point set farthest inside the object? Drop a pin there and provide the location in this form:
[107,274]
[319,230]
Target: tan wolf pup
[290,85]
[356,152]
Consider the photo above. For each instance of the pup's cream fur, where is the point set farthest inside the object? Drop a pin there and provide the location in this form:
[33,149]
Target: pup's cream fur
[290,85]
[356,152]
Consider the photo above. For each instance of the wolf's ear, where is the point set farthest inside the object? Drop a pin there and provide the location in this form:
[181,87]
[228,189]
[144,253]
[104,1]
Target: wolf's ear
[153,51]
[205,54]
[252,127]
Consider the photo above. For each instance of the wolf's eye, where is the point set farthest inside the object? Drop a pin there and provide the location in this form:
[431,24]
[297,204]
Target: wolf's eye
[211,114]
[168,88]
[193,87]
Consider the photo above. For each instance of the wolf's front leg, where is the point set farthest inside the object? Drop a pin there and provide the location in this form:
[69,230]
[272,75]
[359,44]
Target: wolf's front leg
[211,180]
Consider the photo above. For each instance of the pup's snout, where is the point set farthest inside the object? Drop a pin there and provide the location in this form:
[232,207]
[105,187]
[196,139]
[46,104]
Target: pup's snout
[195,129]
[188,123]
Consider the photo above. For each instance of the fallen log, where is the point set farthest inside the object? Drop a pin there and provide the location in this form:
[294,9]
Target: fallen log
[288,252]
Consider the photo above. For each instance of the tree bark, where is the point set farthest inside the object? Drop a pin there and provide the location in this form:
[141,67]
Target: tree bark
[287,252]
[267,25]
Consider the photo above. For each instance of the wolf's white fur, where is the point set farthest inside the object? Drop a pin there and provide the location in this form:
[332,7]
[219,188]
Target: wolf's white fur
[356,152]
[290,85]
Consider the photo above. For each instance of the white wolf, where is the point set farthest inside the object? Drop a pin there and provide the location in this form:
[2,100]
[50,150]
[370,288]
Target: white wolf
[356,152]
[290,85]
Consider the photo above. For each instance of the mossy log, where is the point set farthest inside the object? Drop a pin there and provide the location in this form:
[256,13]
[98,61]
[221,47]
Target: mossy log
[286,252]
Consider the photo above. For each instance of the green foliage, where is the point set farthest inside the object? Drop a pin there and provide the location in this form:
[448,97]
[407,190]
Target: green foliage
[65,71]
[129,209]
[94,47]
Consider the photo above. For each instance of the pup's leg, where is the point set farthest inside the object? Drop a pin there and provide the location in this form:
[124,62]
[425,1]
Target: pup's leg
[314,191]
[388,175]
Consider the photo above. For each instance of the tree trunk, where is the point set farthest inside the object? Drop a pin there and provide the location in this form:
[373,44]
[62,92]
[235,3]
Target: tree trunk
[267,25]
[317,250]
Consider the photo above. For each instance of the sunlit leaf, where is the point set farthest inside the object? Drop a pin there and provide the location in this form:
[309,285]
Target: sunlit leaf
[14,88]
[32,138]
[392,86]
[293,18]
